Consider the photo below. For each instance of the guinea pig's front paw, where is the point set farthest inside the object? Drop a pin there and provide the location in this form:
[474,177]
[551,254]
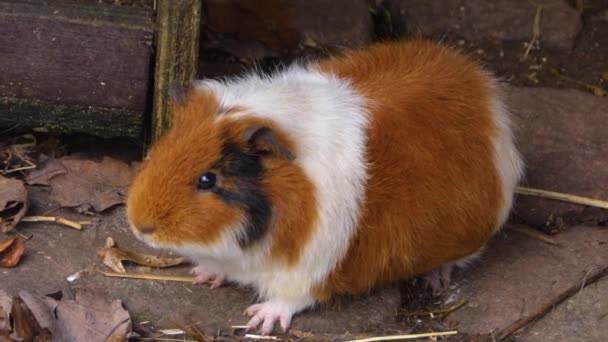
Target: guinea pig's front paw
[268,313]
[202,275]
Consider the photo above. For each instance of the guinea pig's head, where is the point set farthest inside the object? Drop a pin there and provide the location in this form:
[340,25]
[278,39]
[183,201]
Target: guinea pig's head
[202,183]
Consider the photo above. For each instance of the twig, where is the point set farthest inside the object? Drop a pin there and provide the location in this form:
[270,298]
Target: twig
[23,168]
[187,330]
[535,31]
[234,327]
[146,276]
[165,339]
[60,220]
[406,337]
[260,337]
[587,280]
[596,90]
[436,311]
[533,233]
[562,197]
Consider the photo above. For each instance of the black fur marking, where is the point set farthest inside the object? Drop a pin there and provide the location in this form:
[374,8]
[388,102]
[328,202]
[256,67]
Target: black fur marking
[246,171]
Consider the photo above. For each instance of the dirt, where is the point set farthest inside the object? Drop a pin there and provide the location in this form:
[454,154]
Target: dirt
[585,63]
[577,68]
[517,274]
[514,276]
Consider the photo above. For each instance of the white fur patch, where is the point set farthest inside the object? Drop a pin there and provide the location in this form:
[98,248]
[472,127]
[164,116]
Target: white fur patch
[508,160]
[325,117]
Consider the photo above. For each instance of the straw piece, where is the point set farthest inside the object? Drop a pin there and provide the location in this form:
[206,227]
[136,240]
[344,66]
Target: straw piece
[147,276]
[406,337]
[60,220]
[562,197]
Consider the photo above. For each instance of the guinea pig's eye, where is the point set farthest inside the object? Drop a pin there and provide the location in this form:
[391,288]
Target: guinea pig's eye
[206,181]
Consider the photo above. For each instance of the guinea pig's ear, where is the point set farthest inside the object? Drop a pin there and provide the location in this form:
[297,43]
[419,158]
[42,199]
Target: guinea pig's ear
[263,140]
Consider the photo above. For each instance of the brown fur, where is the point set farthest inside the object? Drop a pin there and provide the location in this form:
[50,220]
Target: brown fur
[163,197]
[188,149]
[433,193]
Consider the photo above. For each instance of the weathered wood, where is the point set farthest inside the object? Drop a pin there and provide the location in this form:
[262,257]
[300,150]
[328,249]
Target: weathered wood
[177,44]
[66,55]
[46,117]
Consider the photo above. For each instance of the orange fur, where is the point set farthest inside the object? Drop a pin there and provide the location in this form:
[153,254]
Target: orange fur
[189,148]
[295,211]
[433,192]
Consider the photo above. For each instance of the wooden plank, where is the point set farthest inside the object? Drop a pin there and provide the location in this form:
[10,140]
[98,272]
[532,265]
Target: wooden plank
[177,45]
[87,55]
[40,116]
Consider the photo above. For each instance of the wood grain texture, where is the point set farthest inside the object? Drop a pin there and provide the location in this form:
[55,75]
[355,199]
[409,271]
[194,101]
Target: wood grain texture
[87,55]
[177,45]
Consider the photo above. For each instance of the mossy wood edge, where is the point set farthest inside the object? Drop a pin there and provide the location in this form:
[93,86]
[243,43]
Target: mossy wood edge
[46,117]
[177,46]
[75,68]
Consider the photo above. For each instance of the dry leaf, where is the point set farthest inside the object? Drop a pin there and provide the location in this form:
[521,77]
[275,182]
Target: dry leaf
[88,317]
[25,324]
[6,302]
[39,308]
[11,252]
[605,73]
[13,202]
[598,91]
[100,184]
[113,258]
[43,175]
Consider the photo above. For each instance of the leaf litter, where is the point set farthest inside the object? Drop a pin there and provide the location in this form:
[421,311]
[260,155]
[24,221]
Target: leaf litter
[85,183]
[10,252]
[113,257]
[13,202]
[88,317]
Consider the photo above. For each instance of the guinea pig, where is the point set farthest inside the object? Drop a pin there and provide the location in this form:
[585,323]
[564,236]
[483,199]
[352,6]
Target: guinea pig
[331,177]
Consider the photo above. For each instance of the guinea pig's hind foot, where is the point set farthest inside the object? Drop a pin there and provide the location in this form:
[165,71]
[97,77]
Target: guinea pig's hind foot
[270,312]
[439,279]
[202,276]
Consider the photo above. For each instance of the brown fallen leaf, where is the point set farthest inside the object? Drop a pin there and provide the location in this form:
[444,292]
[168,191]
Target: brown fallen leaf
[6,302]
[605,76]
[113,258]
[100,184]
[25,325]
[13,202]
[11,252]
[42,175]
[89,317]
[42,315]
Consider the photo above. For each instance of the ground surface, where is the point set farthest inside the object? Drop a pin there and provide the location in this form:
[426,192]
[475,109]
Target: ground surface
[517,274]
[514,277]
